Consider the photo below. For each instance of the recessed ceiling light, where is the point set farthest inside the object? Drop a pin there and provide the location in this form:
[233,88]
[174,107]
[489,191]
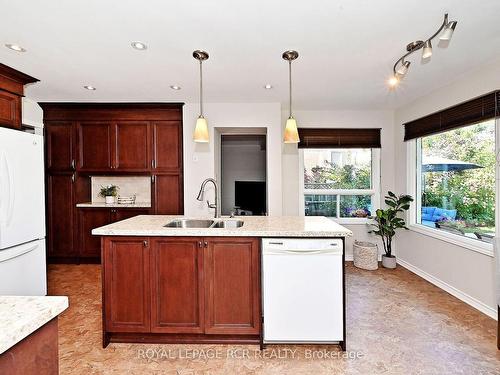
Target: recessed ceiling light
[15,47]
[175,87]
[88,87]
[268,86]
[139,46]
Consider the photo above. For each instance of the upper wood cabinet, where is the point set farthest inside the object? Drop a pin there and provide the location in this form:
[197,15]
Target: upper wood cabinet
[167,146]
[11,92]
[124,137]
[94,146]
[132,146]
[60,147]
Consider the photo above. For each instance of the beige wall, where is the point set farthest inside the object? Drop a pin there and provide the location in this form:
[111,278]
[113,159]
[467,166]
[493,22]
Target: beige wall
[463,272]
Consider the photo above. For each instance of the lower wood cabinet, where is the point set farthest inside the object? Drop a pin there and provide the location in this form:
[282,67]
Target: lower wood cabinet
[232,289]
[177,285]
[90,218]
[126,285]
[191,289]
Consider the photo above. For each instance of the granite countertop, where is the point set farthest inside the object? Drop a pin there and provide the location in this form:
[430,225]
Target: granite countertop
[21,316]
[113,205]
[254,226]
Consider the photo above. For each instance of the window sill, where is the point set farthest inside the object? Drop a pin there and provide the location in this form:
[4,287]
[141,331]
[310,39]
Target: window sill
[467,243]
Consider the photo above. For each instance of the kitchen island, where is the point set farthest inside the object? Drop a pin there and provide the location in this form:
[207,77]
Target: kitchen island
[171,280]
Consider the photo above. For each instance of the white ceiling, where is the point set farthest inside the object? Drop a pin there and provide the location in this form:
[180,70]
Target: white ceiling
[347,48]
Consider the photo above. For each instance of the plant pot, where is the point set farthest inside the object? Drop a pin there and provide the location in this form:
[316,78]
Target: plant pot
[389,262]
[110,199]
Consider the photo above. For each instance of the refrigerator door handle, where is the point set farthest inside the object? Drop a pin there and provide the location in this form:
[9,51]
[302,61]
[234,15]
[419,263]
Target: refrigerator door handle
[7,190]
[12,192]
[9,254]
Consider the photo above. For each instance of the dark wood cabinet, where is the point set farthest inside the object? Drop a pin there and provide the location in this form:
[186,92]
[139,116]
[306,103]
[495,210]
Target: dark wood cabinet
[10,110]
[167,146]
[60,215]
[168,194]
[126,284]
[119,214]
[232,289]
[60,147]
[90,218]
[132,146]
[87,139]
[94,146]
[177,285]
[12,84]
[199,289]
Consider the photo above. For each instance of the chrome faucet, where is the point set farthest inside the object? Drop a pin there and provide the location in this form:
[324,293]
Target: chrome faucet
[217,198]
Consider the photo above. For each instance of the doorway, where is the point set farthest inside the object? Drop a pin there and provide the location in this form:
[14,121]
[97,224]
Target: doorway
[243,174]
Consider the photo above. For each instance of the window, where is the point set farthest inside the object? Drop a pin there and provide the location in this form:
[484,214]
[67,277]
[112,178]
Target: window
[455,181]
[341,183]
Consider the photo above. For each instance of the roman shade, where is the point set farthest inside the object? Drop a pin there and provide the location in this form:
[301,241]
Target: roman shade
[473,111]
[339,138]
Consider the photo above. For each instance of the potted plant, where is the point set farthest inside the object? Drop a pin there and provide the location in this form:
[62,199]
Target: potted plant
[109,193]
[387,222]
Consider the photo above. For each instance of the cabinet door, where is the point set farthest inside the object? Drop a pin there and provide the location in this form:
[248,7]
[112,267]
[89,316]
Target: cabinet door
[60,215]
[132,142]
[126,213]
[168,198]
[10,110]
[126,284]
[94,146]
[232,286]
[167,146]
[90,218]
[60,146]
[176,285]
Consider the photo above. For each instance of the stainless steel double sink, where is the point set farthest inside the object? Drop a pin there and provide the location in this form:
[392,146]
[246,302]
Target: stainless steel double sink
[203,223]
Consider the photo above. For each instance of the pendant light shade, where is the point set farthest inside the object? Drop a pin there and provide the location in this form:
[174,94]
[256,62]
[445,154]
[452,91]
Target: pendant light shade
[201,129]
[291,131]
[427,51]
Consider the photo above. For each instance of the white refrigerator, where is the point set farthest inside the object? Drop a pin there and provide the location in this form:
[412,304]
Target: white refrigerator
[22,214]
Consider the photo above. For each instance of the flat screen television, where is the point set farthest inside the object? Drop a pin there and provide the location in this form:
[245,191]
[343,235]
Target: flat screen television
[251,196]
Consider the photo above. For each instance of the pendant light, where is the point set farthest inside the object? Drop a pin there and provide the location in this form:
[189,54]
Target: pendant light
[201,129]
[291,132]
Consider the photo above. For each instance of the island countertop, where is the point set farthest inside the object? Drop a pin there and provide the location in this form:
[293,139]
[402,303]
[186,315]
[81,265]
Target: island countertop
[21,316]
[254,226]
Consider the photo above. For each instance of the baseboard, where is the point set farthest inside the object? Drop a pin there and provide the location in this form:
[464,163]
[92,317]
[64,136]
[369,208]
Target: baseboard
[485,309]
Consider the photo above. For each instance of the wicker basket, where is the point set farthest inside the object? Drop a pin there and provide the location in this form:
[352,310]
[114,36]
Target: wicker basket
[365,255]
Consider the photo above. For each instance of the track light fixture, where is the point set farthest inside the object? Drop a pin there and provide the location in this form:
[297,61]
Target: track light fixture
[402,65]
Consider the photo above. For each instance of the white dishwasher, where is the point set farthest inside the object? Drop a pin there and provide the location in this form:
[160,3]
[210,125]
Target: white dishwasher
[303,291]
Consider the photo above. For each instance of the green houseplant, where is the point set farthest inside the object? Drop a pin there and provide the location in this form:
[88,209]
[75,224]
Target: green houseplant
[109,192]
[387,222]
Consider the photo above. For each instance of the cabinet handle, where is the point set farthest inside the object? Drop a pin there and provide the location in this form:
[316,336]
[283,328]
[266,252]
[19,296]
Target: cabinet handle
[200,244]
[145,243]
[73,164]
[73,177]
[153,163]
[205,243]
[153,179]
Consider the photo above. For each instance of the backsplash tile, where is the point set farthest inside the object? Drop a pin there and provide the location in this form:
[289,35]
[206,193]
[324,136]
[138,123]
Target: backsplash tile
[129,185]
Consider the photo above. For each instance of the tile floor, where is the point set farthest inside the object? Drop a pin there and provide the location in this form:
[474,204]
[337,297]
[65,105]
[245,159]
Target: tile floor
[397,323]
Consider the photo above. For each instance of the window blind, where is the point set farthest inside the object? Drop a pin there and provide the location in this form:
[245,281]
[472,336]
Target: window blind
[339,138]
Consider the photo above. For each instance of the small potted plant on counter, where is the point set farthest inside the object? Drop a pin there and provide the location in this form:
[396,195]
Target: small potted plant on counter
[387,222]
[109,193]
